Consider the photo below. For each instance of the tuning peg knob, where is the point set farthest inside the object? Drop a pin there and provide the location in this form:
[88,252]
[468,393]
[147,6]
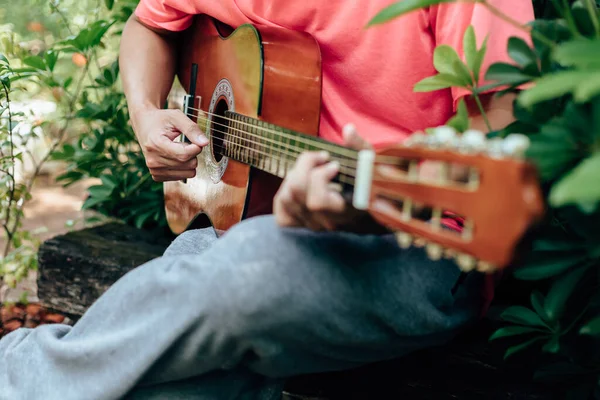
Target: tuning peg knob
[485,267]
[516,145]
[466,262]
[473,140]
[434,251]
[404,239]
[443,136]
[416,139]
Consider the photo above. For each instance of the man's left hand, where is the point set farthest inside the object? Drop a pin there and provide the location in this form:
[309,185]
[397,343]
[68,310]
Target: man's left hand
[307,198]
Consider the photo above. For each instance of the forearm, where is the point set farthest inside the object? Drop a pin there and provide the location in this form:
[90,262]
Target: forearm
[147,63]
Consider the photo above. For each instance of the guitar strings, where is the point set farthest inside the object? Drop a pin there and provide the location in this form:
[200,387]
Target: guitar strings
[338,149]
[288,158]
[391,160]
[348,163]
[344,177]
[282,147]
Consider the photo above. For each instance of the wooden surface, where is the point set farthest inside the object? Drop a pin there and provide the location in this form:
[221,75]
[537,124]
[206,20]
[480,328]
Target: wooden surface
[76,268]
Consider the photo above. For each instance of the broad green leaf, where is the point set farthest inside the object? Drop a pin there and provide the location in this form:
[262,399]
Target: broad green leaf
[437,82]
[470,47]
[109,181]
[555,149]
[522,316]
[403,7]
[580,186]
[520,52]
[537,301]
[591,328]
[3,59]
[552,86]
[506,74]
[514,331]
[446,61]
[100,191]
[545,266]
[109,4]
[560,292]
[552,345]
[35,62]
[460,122]
[580,53]
[585,91]
[50,59]
[478,62]
[520,347]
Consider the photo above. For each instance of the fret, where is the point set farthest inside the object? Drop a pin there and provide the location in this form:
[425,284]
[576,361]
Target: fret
[238,141]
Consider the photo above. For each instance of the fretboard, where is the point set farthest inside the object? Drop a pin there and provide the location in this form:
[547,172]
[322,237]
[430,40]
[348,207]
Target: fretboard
[274,149]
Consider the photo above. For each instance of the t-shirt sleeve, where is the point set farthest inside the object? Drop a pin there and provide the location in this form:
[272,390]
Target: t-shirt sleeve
[161,14]
[449,22]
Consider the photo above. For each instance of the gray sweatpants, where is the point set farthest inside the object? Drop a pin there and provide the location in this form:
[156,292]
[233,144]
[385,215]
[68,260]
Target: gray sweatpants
[232,318]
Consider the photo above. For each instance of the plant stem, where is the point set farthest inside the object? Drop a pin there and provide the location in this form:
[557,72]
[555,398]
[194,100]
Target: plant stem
[527,29]
[482,111]
[11,197]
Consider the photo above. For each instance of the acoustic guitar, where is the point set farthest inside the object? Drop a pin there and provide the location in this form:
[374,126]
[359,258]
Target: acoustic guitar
[256,93]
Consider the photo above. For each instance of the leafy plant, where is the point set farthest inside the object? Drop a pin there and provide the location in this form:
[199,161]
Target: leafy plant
[557,80]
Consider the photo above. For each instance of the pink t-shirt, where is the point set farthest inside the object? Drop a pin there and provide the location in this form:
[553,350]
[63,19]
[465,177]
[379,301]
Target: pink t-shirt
[368,74]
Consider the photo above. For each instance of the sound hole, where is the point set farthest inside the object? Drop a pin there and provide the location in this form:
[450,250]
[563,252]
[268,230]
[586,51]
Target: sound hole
[218,131]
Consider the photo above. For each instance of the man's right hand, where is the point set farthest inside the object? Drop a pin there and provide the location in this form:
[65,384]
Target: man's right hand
[167,158]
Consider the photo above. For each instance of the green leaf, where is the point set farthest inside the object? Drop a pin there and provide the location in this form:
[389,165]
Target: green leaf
[520,347]
[36,62]
[591,328]
[50,59]
[579,53]
[537,301]
[560,291]
[109,4]
[470,47]
[402,7]
[520,52]
[507,74]
[100,191]
[522,316]
[580,186]
[556,264]
[586,90]
[460,122]
[437,82]
[508,331]
[478,61]
[552,345]
[553,86]
[447,62]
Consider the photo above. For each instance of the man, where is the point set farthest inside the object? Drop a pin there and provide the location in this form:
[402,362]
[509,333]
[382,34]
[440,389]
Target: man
[229,318]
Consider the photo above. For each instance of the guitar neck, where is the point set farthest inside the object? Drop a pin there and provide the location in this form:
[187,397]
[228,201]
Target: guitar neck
[274,149]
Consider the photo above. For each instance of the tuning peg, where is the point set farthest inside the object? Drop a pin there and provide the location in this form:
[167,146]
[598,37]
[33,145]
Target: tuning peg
[473,140]
[404,239]
[485,267]
[449,254]
[419,242]
[515,145]
[442,136]
[416,139]
[495,147]
[466,262]
[434,251]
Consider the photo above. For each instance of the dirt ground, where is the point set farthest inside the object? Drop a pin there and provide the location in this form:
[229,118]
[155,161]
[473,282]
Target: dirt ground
[53,210]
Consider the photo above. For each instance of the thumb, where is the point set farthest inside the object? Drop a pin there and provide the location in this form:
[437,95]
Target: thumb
[353,140]
[188,128]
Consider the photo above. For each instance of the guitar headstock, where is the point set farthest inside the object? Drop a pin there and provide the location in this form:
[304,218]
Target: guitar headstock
[498,199]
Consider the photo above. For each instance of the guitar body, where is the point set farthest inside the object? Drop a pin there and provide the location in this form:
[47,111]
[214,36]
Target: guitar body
[270,74]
